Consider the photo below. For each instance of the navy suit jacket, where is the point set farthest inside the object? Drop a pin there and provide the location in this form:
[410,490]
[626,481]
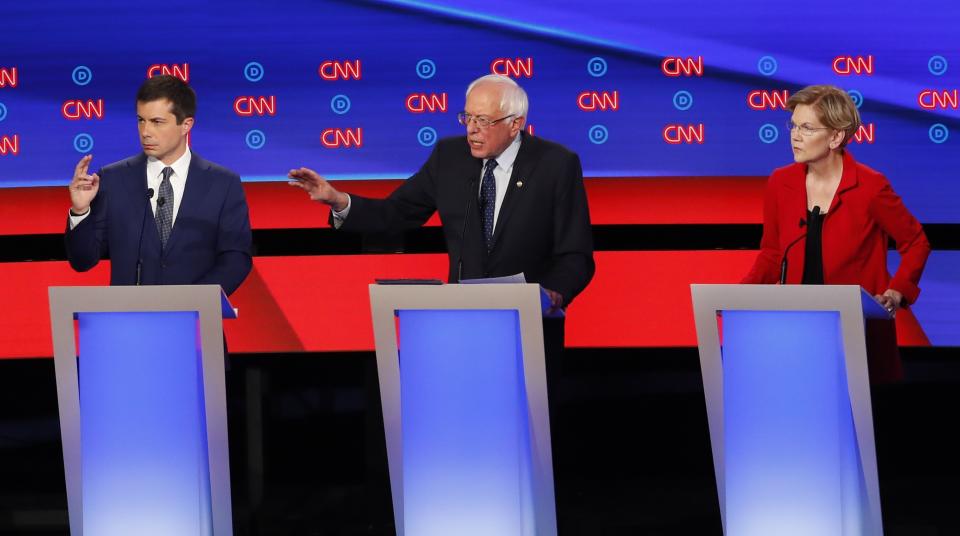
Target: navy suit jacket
[209,243]
[543,228]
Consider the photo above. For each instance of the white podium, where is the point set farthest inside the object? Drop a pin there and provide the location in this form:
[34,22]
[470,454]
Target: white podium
[143,409]
[464,394]
[788,402]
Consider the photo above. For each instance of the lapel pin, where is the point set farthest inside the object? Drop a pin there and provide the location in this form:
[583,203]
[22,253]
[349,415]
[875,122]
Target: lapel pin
[520,183]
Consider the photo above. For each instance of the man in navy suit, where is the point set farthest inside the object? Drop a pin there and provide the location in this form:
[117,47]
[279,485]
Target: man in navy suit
[165,216]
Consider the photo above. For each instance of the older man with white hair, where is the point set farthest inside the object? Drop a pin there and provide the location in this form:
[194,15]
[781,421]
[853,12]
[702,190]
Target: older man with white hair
[509,202]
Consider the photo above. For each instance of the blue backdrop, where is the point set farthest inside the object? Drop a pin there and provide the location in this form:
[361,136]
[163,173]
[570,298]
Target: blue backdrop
[577,54]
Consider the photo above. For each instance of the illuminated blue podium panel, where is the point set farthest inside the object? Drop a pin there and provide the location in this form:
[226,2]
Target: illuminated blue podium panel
[788,401]
[144,429]
[464,395]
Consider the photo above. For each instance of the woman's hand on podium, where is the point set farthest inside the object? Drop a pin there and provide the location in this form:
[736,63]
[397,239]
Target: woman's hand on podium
[891,300]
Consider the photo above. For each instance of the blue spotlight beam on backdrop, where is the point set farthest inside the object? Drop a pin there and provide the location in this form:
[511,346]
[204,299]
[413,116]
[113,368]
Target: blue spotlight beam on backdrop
[364,89]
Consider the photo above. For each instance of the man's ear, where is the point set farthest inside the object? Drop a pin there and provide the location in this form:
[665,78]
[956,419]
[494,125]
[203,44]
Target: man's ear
[517,125]
[186,126]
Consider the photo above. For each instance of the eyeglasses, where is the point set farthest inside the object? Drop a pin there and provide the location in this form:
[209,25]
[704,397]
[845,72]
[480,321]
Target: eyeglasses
[805,129]
[464,118]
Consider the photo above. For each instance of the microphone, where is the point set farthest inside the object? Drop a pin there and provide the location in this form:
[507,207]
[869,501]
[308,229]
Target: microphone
[783,263]
[463,231]
[160,200]
[143,222]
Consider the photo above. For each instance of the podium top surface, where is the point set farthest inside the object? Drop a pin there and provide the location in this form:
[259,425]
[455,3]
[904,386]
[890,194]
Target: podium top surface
[786,298]
[146,298]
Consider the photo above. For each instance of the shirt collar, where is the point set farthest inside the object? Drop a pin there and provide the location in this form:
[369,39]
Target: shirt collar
[180,167]
[508,156]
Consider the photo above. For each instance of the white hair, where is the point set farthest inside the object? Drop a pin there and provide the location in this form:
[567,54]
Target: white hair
[513,99]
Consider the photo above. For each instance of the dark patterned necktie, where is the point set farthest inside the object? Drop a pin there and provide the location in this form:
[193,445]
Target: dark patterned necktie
[488,202]
[164,215]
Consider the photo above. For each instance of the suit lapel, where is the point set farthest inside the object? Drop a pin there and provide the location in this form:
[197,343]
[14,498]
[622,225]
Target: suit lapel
[520,177]
[193,194]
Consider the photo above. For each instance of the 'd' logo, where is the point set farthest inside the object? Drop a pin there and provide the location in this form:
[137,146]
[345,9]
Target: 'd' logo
[515,68]
[340,70]
[253,71]
[598,134]
[939,133]
[179,70]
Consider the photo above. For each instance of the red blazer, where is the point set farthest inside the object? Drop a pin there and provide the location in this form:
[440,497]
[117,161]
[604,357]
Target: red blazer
[864,215]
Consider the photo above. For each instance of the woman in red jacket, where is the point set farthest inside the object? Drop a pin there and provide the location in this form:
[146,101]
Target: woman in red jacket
[834,217]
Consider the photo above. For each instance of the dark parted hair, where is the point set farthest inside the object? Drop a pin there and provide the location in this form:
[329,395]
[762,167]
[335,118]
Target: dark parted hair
[173,89]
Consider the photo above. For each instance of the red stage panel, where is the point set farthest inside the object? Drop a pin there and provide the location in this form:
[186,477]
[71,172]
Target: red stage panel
[321,304]
[25,314]
[317,303]
[275,205]
[612,201]
[636,299]
[34,210]
[642,298]
[676,200]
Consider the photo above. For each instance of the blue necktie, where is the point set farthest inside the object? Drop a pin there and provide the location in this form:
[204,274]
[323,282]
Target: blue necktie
[164,214]
[488,202]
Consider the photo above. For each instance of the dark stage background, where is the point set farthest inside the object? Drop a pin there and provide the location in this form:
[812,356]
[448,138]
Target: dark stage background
[632,448]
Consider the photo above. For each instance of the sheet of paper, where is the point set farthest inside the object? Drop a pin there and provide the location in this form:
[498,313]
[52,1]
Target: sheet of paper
[516,278]
[519,278]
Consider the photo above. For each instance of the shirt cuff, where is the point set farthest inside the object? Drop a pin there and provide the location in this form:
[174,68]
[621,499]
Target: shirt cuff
[340,216]
[75,220]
